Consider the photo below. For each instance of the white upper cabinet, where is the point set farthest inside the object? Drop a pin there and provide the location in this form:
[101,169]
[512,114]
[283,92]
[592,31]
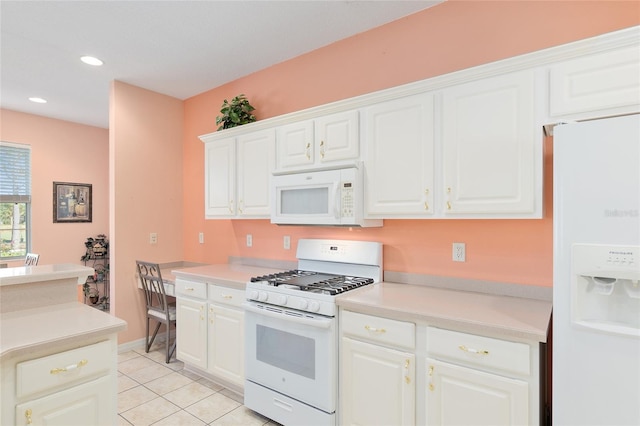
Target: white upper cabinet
[317,142]
[399,158]
[220,178]
[256,160]
[237,174]
[491,149]
[596,85]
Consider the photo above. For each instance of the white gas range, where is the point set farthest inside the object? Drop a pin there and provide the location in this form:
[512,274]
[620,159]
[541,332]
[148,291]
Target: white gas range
[291,338]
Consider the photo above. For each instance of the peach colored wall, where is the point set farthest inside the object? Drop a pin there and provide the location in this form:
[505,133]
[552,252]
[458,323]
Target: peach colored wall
[63,152]
[146,179]
[448,37]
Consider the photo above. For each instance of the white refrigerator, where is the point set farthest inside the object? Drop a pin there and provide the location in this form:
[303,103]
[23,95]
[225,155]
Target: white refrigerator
[596,273]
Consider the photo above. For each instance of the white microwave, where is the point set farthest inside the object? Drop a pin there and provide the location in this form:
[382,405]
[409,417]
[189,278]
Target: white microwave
[323,197]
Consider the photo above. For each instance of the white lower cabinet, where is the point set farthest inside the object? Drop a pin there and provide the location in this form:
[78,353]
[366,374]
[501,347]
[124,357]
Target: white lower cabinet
[210,330]
[464,396]
[399,373]
[377,371]
[191,323]
[70,386]
[478,380]
[226,334]
[85,404]
[377,385]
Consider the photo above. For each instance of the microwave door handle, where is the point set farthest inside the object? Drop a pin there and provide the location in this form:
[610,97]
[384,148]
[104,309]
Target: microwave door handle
[337,202]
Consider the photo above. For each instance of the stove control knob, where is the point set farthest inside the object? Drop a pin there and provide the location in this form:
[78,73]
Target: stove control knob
[263,296]
[314,306]
[282,300]
[253,295]
[303,304]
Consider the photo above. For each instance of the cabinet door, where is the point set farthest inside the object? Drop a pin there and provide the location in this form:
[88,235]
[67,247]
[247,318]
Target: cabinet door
[463,396]
[490,161]
[220,178]
[191,332]
[256,160]
[377,385]
[596,85]
[399,157]
[91,403]
[294,146]
[337,137]
[226,343]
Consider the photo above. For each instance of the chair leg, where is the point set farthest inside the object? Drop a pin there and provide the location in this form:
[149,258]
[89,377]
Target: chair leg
[150,342]
[170,350]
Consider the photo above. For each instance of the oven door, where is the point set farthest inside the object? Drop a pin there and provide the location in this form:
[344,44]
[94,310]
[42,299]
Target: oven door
[292,352]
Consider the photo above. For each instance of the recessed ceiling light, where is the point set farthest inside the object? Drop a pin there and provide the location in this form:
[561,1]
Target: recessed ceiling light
[91,61]
[38,100]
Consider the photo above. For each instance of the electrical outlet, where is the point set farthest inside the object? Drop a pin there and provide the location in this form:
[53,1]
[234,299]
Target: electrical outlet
[201,237]
[287,242]
[153,238]
[249,240]
[459,252]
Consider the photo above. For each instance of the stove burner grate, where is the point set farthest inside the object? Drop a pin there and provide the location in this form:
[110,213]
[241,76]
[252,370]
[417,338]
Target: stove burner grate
[314,282]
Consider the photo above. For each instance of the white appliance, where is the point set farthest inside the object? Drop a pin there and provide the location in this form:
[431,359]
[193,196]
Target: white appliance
[332,197]
[291,330]
[596,285]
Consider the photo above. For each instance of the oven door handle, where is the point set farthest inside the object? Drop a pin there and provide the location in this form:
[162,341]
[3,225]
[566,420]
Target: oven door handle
[317,322]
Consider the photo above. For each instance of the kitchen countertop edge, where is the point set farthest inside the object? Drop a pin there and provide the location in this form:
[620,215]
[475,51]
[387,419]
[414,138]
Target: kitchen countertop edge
[487,314]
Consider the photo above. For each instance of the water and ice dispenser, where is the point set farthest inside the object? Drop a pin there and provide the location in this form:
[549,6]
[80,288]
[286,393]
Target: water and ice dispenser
[605,288]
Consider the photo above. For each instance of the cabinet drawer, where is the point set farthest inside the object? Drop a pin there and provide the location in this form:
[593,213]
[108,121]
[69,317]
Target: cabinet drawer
[479,351]
[191,289]
[382,330]
[63,368]
[226,295]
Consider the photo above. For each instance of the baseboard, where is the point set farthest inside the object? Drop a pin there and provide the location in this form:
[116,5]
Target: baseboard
[139,344]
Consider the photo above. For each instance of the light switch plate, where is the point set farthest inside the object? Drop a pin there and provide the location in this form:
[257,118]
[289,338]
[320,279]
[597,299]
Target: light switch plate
[153,238]
[249,240]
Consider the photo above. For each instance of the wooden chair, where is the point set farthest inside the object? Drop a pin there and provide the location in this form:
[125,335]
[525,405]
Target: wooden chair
[157,307]
[31,259]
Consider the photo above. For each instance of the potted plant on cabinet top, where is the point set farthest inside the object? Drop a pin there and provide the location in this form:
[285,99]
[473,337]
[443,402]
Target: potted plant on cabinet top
[235,113]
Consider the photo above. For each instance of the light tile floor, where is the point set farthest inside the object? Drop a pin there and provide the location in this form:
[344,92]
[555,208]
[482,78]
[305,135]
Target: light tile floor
[151,392]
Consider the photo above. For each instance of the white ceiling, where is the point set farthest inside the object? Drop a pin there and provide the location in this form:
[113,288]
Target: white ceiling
[178,48]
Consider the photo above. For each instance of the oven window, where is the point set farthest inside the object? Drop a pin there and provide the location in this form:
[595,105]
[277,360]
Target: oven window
[287,351]
[305,201]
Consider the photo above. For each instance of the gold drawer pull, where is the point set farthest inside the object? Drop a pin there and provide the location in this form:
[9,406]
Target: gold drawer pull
[473,351]
[27,414]
[375,330]
[69,367]
[227,296]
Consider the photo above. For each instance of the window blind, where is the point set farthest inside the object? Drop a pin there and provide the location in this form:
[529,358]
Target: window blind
[15,173]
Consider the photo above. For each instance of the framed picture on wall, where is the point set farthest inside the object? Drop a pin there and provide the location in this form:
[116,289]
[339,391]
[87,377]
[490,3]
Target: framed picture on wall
[72,202]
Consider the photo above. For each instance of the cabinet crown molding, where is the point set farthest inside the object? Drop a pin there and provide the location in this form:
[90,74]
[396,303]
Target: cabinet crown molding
[614,40]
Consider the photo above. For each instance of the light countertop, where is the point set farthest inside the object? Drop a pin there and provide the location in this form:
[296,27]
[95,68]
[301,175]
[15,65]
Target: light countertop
[501,316]
[63,323]
[31,274]
[226,274]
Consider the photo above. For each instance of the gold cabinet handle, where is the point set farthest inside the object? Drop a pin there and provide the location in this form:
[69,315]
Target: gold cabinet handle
[189,288]
[322,149]
[431,386]
[27,415]
[240,206]
[230,206]
[308,151]
[407,379]
[69,367]
[426,206]
[448,205]
[375,330]
[227,296]
[473,351]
